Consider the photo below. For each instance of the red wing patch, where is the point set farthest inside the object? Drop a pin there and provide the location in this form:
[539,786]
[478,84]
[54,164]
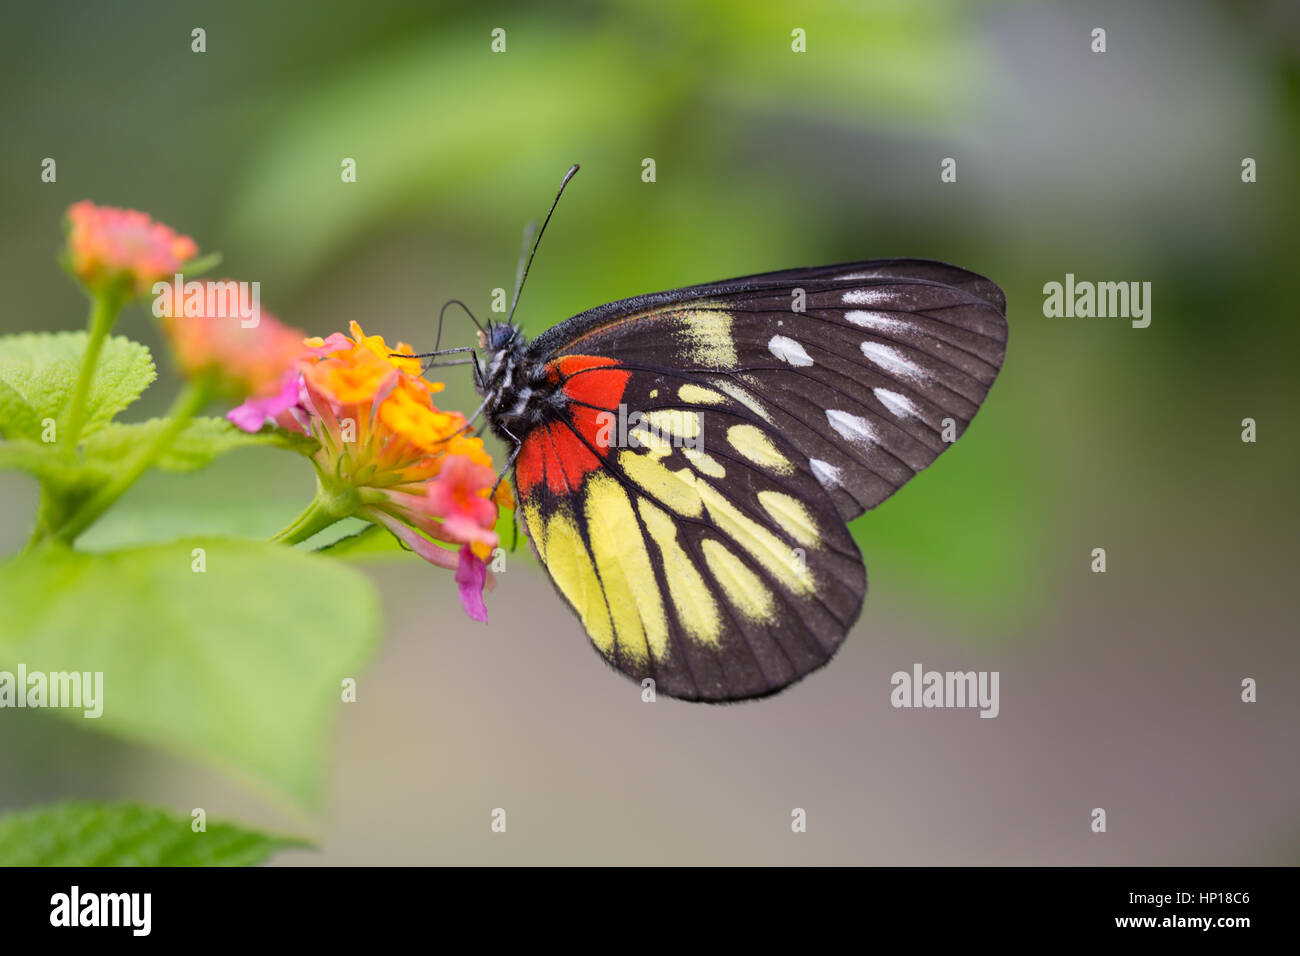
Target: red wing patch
[558,453]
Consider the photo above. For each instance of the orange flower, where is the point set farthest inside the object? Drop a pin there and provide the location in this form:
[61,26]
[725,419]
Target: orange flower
[108,247]
[410,464]
[352,380]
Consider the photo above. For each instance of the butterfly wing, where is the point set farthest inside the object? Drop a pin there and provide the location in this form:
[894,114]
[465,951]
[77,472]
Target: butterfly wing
[882,370]
[704,544]
[693,543]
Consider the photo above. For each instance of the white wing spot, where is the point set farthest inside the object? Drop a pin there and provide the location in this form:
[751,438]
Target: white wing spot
[876,320]
[892,360]
[866,296]
[788,350]
[850,426]
[900,405]
[825,472]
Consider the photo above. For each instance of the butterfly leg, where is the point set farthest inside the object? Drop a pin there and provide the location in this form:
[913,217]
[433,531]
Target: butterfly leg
[510,462]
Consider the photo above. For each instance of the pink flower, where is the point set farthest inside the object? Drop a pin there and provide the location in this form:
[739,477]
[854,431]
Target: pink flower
[471,573]
[255,412]
[109,246]
[459,496]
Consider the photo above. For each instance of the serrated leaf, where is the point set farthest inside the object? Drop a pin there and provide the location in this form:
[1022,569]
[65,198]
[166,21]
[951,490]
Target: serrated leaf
[38,372]
[203,440]
[238,664]
[125,834]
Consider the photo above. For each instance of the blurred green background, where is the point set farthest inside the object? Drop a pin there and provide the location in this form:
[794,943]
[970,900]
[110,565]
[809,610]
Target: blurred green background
[1118,690]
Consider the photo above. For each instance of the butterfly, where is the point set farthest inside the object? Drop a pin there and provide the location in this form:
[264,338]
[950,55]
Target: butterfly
[686,462]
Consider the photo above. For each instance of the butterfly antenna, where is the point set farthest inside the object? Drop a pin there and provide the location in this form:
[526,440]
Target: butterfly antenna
[438,341]
[522,274]
[445,306]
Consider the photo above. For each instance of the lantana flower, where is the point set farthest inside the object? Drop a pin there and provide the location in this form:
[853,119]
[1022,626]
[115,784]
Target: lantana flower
[395,459]
[384,451]
[117,254]
[111,248]
[256,365]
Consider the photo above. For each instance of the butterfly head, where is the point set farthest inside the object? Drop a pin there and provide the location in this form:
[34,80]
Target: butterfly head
[499,337]
[517,390]
[504,344]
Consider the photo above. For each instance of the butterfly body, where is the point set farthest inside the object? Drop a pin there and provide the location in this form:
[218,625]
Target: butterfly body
[687,461]
[517,391]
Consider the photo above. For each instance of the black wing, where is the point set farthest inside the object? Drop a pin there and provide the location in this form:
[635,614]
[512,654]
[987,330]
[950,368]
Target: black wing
[870,369]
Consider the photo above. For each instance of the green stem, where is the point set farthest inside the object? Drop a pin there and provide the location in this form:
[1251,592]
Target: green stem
[188,403]
[103,313]
[314,519]
[323,511]
[42,527]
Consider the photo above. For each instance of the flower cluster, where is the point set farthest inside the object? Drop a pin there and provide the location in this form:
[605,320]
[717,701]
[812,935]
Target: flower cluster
[400,460]
[108,247]
[383,450]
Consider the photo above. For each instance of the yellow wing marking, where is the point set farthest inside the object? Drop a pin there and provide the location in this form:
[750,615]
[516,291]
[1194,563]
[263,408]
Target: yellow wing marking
[698,395]
[692,600]
[676,489]
[625,571]
[767,549]
[534,527]
[744,396]
[708,336]
[570,565]
[706,464]
[791,515]
[750,441]
[743,588]
[655,444]
[679,424]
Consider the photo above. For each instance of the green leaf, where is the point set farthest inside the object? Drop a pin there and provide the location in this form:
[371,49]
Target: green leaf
[238,663]
[126,834]
[203,440]
[159,511]
[38,372]
[66,481]
[48,462]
